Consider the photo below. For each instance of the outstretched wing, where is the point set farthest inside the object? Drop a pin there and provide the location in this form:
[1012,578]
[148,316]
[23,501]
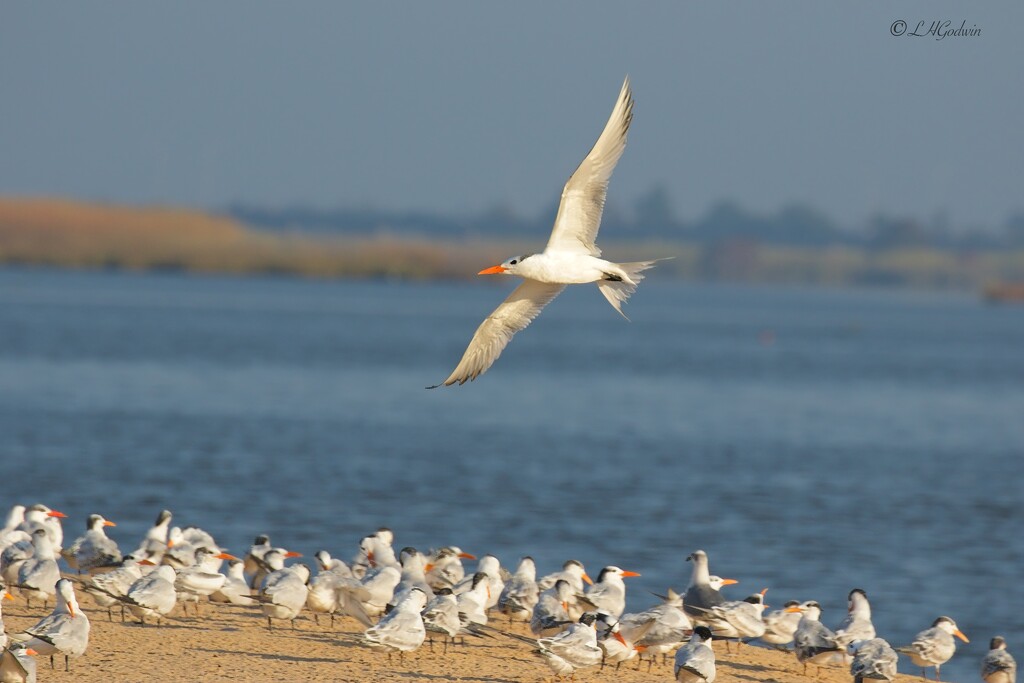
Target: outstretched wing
[516,312]
[579,213]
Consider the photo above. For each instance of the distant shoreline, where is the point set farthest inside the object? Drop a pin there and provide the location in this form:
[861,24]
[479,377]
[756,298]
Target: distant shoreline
[61,233]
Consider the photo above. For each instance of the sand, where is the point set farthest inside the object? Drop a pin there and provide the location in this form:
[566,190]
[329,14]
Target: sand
[230,643]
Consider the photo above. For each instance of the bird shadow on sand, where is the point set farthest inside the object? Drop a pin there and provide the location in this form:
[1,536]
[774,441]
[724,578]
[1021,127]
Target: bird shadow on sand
[420,676]
[269,656]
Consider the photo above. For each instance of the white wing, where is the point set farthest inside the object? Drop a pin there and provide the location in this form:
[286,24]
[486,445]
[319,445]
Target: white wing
[516,312]
[579,213]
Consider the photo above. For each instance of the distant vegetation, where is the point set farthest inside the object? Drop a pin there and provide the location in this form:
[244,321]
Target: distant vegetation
[796,245]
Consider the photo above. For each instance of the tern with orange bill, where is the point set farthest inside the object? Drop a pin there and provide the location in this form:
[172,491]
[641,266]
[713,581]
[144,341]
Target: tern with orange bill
[570,257]
[93,550]
[608,593]
[934,646]
[65,631]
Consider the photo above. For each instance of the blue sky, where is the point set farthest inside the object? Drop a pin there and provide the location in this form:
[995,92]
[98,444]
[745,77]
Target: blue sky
[457,106]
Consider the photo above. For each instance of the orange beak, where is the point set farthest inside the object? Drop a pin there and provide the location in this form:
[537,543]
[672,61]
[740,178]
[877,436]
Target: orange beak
[565,606]
[639,648]
[625,573]
[292,553]
[428,566]
[54,513]
[170,543]
[959,634]
[618,637]
[107,522]
[7,596]
[225,556]
[30,651]
[793,609]
[148,563]
[369,558]
[763,591]
[729,582]
[588,579]
[493,270]
[467,556]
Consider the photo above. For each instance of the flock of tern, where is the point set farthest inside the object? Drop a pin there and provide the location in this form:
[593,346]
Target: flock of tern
[405,599]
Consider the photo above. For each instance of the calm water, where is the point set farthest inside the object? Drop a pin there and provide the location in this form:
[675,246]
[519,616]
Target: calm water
[810,441]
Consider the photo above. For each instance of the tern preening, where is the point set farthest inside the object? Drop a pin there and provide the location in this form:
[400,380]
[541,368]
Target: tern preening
[570,257]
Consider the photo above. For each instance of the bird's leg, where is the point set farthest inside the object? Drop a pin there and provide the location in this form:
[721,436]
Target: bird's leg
[66,666]
[293,624]
[110,614]
[270,624]
[805,669]
[51,662]
[937,672]
[332,620]
[316,618]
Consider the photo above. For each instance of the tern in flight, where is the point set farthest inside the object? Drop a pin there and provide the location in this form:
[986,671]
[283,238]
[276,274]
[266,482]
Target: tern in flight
[570,257]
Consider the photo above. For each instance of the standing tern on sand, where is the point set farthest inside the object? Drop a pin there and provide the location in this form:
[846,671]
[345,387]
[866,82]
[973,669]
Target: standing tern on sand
[570,257]
[998,666]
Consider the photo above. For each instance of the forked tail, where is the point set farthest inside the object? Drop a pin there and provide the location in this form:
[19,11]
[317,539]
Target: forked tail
[618,291]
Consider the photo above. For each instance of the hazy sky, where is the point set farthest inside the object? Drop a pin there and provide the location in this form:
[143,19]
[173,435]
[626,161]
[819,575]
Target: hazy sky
[455,106]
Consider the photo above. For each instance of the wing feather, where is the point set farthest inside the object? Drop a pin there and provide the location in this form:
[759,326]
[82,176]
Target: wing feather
[516,312]
[579,213]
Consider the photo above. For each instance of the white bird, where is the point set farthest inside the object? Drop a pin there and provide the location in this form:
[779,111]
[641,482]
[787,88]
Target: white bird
[998,666]
[737,618]
[613,644]
[608,594]
[441,615]
[202,579]
[572,649]
[284,591]
[370,597]
[872,659]
[323,595]
[570,257]
[38,575]
[414,566]
[551,613]
[780,625]
[934,646]
[108,589]
[489,566]
[94,550]
[153,595]
[473,603]
[17,664]
[65,631]
[376,551]
[235,589]
[445,569]
[402,630]
[15,516]
[857,624]
[520,593]
[695,661]
[572,571]
[814,642]
[660,629]
[40,515]
[253,563]
[154,543]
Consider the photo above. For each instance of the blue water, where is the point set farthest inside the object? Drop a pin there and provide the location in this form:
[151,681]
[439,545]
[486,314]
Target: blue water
[811,441]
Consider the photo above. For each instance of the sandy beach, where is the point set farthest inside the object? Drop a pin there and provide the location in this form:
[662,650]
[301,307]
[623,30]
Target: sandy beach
[230,643]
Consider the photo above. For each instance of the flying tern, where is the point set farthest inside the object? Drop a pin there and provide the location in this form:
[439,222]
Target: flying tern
[570,257]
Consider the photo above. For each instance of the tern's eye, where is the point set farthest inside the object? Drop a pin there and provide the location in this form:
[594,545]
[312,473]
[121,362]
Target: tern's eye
[512,262]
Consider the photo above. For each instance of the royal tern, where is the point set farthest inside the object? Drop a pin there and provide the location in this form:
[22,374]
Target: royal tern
[608,594]
[572,649]
[369,597]
[737,618]
[414,566]
[107,589]
[441,615]
[570,257]
[473,603]
[10,533]
[445,569]
[38,575]
[660,629]
[65,631]
[402,630]
[998,666]
[857,624]
[94,550]
[814,642]
[154,543]
[236,589]
[700,595]
[614,646]
[780,625]
[695,661]
[284,591]
[520,593]
[39,515]
[253,564]
[934,646]
[323,595]
[572,571]
[551,613]
[202,579]
[153,595]
[17,664]
[873,659]
[489,566]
